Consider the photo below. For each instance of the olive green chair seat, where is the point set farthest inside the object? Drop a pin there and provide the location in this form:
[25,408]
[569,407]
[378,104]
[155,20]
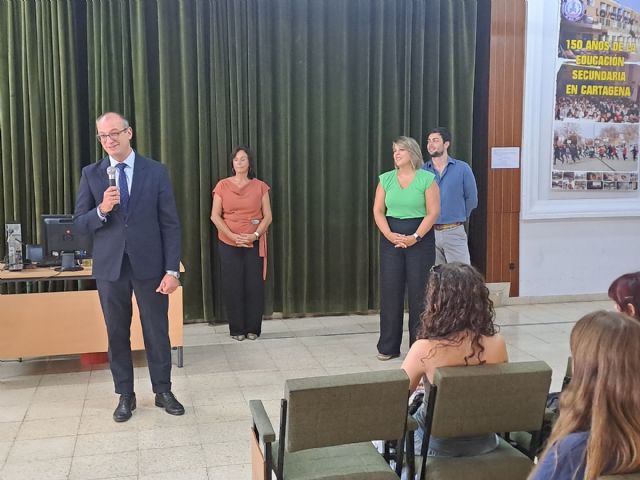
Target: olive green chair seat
[478,400]
[504,462]
[327,425]
[359,461]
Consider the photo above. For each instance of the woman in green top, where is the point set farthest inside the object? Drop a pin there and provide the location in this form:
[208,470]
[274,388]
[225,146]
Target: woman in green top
[406,206]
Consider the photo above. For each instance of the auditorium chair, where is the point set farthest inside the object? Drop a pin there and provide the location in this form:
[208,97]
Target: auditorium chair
[476,400]
[522,440]
[327,425]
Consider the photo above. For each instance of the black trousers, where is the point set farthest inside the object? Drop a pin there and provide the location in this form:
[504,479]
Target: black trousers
[115,299]
[242,288]
[400,268]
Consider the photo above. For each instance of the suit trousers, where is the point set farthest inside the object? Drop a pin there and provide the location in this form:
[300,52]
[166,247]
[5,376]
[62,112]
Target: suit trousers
[242,287]
[452,246]
[116,302]
[400,269]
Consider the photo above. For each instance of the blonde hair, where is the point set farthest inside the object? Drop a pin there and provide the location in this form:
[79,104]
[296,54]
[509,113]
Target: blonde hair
[603,396]
[410,145]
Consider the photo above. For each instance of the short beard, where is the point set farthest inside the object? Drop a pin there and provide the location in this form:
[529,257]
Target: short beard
[436,154]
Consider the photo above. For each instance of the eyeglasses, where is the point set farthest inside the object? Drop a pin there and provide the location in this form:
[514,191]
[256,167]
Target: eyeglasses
[111,135]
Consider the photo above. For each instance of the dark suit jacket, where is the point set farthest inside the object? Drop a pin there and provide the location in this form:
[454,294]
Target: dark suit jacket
[149,232]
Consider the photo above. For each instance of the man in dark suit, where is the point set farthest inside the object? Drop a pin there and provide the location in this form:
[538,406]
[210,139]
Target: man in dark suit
[136,248]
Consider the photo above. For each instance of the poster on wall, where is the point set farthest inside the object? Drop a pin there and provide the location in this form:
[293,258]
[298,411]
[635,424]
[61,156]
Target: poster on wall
[596,134]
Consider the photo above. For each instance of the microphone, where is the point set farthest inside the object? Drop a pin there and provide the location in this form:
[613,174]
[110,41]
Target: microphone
[111,172]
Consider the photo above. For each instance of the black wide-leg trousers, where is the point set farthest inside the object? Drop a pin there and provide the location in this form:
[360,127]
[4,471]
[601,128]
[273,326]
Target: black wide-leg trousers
[242,287]
[402,268]
[115,299]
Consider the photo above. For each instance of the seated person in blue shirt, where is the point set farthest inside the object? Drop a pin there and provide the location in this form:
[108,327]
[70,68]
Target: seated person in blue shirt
[458,198]
[598,430]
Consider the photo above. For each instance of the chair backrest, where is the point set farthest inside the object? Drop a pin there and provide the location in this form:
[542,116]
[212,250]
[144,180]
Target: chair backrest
[568,373]
[342,409]
[490,398]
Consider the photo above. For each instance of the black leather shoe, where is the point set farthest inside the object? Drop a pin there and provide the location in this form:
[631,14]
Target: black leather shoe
[169,402]
[126,406]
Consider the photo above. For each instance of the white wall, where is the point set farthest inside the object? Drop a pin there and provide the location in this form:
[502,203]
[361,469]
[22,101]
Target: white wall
[570,243]
[576,256]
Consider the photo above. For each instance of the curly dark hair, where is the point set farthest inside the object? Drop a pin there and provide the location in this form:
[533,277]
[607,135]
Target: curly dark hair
[457,302]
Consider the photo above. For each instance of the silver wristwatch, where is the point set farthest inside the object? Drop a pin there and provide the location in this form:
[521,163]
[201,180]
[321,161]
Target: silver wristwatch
[173,273]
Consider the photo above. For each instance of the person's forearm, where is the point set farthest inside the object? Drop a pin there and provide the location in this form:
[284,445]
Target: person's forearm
[470,201]
[382,224]
[221,225]
[470,194]
[85,217]
[263,226]
[468,209]
[427,224]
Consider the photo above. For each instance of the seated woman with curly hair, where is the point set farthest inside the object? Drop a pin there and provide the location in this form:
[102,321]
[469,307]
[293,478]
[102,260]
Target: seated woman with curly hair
[457,329]
[598,430]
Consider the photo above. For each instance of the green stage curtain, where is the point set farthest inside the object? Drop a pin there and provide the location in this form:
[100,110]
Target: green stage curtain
[40,142]
[39,115]
[317,88]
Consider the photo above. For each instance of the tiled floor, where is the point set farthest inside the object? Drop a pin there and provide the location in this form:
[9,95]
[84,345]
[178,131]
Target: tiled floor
[55,415]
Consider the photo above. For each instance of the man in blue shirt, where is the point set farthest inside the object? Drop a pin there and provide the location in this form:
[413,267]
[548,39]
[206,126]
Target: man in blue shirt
[458,198]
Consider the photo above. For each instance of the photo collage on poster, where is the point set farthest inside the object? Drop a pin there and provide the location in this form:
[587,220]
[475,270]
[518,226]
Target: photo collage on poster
[596,134]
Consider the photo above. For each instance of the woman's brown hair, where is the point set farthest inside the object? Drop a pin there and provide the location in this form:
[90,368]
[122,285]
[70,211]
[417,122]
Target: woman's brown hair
[603,396]
[457,303]
[241,148]
[625,291]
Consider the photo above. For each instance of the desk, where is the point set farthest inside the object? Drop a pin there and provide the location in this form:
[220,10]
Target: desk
[63,323]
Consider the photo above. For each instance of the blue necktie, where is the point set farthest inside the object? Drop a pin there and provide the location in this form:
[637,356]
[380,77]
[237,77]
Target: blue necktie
[123,185]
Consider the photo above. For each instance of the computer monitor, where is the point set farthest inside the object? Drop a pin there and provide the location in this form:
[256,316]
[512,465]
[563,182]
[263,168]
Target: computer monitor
[34,253]
[60,236]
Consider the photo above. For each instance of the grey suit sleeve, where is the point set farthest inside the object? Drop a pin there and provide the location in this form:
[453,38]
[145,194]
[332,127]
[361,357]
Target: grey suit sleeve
[169,224]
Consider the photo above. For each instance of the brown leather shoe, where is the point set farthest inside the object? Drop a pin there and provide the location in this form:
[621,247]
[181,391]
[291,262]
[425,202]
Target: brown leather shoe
[168,401]
[126,406]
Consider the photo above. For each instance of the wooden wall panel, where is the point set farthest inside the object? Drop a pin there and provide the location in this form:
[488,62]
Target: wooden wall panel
[506,89]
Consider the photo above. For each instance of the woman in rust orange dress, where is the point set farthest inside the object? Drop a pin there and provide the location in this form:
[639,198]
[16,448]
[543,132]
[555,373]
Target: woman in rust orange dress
[241,212]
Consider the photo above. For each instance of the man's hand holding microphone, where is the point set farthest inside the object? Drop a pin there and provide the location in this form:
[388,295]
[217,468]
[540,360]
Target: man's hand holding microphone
[111,196]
